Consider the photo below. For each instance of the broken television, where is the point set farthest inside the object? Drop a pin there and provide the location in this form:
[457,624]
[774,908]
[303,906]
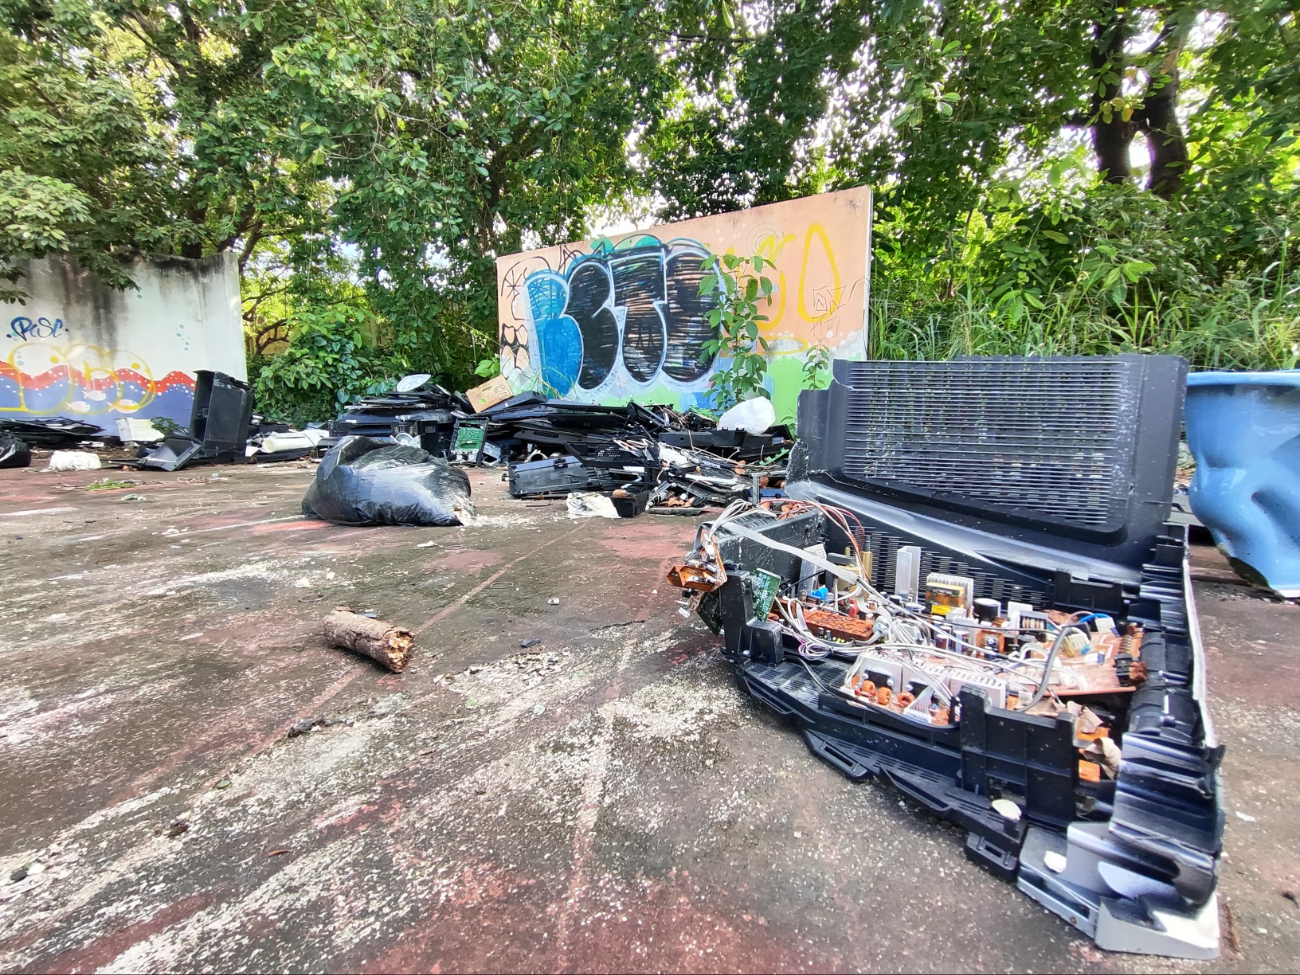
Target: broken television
[973,592]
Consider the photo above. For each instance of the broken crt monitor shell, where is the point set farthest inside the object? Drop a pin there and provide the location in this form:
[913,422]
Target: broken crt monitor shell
[1040,681]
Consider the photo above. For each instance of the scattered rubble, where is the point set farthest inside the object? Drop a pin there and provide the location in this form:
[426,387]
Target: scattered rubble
[297,729]
[109,484]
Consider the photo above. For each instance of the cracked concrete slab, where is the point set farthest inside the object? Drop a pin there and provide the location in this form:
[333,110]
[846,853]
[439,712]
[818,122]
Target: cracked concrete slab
[604,799]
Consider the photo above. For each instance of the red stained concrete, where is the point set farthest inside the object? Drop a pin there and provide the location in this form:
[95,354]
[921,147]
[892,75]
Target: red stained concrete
[607,800]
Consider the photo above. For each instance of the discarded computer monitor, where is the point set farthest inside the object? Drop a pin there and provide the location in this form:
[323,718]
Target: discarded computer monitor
[218,430]
[973,593]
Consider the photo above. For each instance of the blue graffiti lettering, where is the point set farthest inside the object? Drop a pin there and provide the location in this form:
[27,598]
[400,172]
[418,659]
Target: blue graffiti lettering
[637,306]
[559,339]
[24,328]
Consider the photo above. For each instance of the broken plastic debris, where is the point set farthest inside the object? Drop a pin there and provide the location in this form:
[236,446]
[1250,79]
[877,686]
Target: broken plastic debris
[553,601]
[1245,817]
[529,643]
[1006,809]
[304,726]
[1054,861]
[539,708]
[753,416]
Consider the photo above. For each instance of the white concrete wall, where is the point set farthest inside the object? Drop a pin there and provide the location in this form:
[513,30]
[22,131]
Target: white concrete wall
[77,348]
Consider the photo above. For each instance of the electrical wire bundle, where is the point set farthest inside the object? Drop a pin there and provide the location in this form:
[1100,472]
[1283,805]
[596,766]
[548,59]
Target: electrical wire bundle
[897,632]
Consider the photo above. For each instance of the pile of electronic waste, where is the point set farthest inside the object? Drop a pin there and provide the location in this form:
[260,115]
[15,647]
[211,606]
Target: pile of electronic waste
[413,403]
[642,456]
[973,592]
[50,432]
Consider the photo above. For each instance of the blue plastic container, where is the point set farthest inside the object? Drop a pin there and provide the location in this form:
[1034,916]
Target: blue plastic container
[1243,428]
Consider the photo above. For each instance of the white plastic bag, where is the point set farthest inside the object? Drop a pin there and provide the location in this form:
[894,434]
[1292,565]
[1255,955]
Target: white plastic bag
[590,504]
[753,416]
[73,460]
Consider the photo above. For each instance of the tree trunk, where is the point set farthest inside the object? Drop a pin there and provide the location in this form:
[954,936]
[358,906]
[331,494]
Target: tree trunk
[389,645]
[1166,144]
[1110,139]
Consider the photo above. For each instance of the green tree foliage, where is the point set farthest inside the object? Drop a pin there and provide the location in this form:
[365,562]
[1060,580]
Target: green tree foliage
[330,359]
[1004,139]
[417,138]
[132,126]
[76,165]
[1052,175]
[459,131]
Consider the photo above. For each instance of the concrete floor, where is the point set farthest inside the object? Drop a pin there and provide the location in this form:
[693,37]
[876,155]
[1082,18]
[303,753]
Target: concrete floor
[607,800]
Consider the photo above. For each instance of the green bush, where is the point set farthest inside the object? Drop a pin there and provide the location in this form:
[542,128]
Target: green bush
[329,362]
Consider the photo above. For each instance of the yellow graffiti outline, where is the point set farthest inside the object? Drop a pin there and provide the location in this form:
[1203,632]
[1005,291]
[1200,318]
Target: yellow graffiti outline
[837,289]
[64,356]
[802,344]
[769,248]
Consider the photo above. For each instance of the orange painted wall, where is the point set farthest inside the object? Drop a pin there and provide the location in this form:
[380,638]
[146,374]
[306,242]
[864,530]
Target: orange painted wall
[604,320]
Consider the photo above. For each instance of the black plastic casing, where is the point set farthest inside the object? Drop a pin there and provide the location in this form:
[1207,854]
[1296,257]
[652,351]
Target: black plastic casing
[948,456]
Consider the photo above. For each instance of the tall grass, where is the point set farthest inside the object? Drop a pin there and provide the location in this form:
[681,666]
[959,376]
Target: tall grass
[1251,324]
[1125,272]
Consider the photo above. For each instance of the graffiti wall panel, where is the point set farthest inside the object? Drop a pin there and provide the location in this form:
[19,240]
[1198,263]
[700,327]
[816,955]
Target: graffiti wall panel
[591,305]
[622,317]
[687,326]
[80,349]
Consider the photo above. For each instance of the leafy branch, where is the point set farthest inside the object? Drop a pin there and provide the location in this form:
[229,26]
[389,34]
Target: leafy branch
[740,285]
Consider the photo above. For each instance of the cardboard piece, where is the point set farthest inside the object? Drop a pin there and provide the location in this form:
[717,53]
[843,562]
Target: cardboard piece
[490,393]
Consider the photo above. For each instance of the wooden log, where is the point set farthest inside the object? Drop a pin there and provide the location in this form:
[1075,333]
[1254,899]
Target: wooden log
[382,642]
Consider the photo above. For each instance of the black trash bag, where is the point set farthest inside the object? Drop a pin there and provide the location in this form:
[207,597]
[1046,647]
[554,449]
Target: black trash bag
[14,452]
[367,482]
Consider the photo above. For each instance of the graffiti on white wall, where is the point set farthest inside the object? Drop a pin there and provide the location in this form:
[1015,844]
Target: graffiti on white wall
[46,377]
[79,349]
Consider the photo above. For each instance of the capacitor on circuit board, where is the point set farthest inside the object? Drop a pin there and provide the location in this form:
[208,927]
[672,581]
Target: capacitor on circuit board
[987,635]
